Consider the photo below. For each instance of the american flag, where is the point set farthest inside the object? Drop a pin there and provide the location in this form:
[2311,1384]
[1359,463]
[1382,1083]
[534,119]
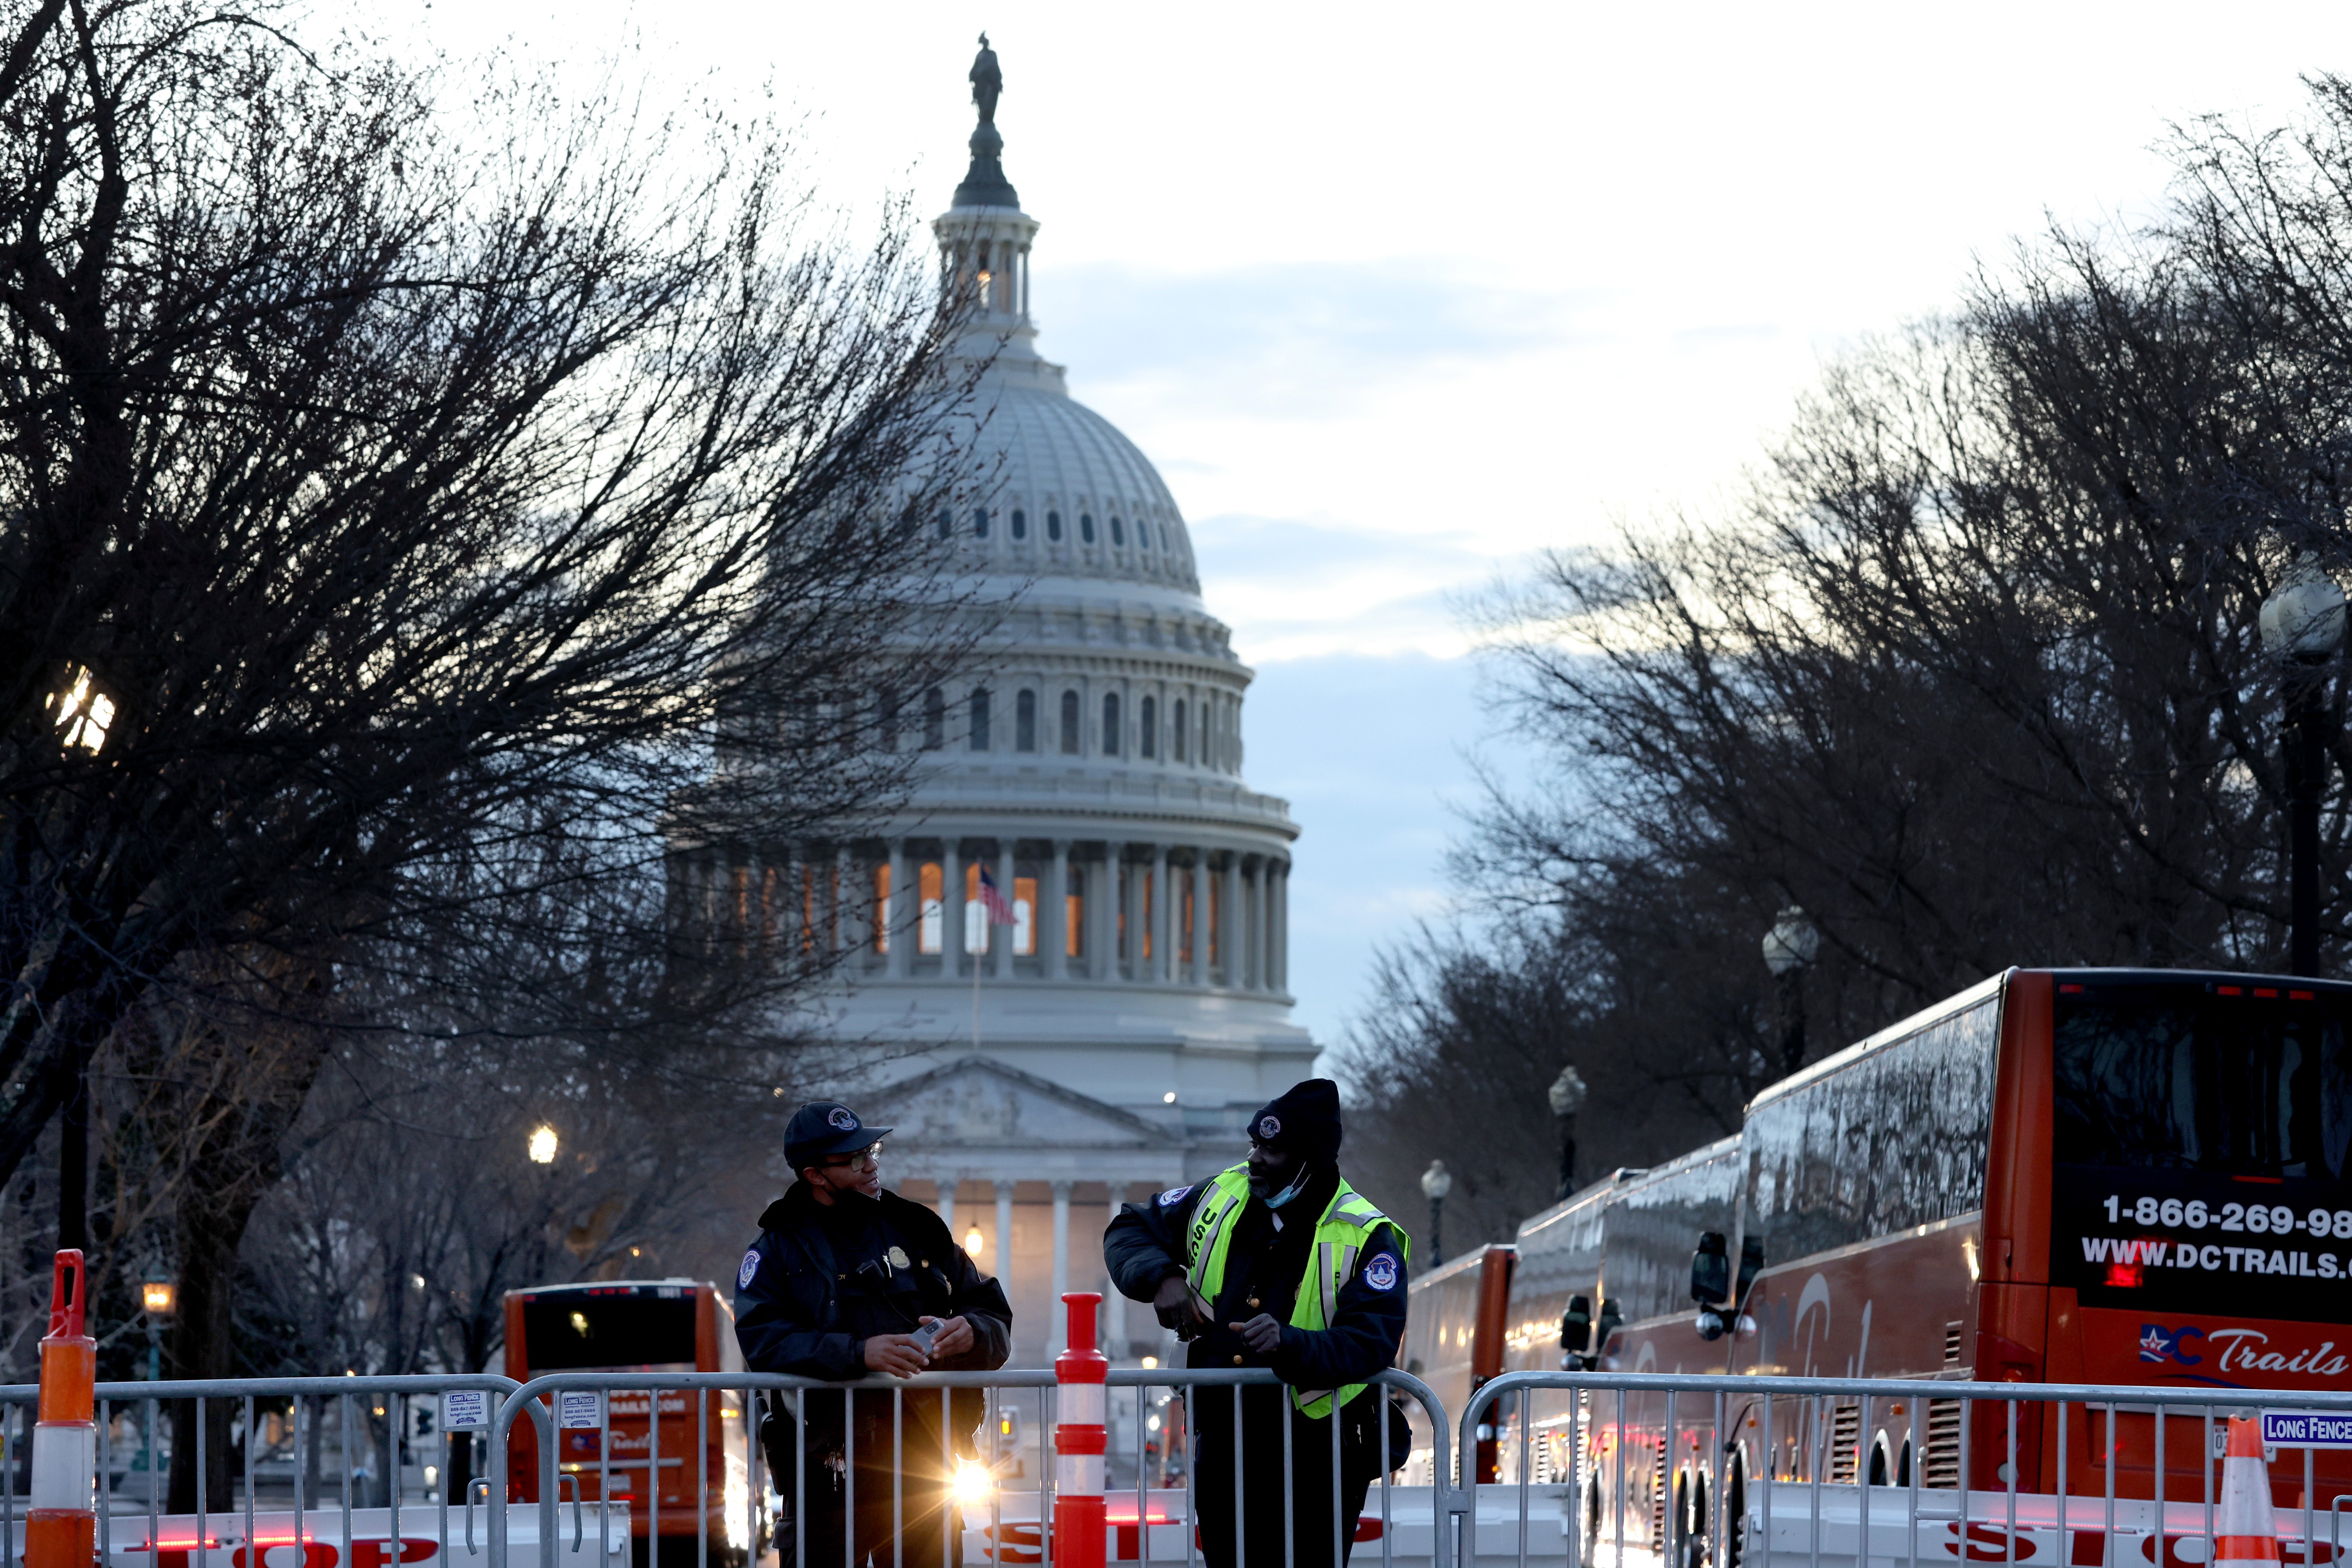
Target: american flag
[991,898]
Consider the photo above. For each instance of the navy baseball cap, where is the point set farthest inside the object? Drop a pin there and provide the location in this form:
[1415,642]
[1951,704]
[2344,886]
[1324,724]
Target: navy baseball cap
[824,1127]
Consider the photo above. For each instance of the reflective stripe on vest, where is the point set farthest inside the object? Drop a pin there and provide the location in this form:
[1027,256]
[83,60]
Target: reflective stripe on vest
[1340,1236]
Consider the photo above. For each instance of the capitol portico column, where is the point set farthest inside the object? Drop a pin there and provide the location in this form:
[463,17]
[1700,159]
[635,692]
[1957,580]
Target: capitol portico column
[951,908]
[1003,947]
[1003,1260]
[901,931]
[1054,916]
[1138,919]
[1102,956]
[947,1204]
[1200,917]
[1060,1337]
[1261,950]
[1164,946]
[1115,1299]
[1234,925]
[1282,927]
[844,905]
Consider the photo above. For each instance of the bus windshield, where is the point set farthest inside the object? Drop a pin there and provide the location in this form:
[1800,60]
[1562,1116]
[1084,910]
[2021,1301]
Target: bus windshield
[2203,1136]
[582,1331]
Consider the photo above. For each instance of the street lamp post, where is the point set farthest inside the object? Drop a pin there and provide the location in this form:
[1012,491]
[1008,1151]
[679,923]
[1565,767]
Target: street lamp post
[1436,1183]
[1567,1096]
[1791,944]
[2303,627]
[158,1299]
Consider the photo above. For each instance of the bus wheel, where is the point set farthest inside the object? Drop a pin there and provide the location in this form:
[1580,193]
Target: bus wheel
[1735,1510]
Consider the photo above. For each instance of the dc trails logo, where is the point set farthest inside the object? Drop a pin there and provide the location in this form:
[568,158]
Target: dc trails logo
[2158,1344]
[841,1117]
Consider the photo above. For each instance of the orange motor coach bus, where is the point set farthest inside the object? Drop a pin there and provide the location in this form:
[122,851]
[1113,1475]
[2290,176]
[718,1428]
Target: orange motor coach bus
[2127,1177]
[665,1325]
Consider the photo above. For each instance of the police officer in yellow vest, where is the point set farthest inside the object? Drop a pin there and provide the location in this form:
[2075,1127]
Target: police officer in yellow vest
[1275,1263]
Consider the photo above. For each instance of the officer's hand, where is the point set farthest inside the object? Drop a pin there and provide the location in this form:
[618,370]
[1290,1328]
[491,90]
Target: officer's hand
[1261,1333]
[955,1337]
[896,1354]
[1173,1304]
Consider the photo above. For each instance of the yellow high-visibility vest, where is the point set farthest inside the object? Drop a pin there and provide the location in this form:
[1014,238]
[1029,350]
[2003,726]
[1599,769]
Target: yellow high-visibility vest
[1340,1235]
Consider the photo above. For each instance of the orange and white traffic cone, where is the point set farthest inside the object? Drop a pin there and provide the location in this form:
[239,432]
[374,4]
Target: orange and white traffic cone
[61,1525]
[2243,1528]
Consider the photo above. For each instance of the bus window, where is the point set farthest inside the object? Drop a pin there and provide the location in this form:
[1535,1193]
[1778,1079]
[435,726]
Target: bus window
[2199,1151]
[583,1332]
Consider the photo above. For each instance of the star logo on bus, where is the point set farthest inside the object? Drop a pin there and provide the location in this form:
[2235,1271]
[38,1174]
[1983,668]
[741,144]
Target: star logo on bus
[2158,1344]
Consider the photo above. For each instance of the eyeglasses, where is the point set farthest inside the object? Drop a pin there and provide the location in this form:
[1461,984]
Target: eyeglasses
[866,1158]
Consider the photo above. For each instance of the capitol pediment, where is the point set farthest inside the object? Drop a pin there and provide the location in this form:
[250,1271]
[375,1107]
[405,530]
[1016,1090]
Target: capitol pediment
[978,1103]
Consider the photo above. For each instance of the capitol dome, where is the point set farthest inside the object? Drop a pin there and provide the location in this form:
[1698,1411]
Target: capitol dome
[1114,1039]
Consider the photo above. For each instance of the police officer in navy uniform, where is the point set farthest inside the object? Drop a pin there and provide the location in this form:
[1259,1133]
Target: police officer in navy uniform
[1277,1263]
[842,1276]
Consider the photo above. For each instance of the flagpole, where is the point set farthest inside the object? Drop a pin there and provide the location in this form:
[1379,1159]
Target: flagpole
[977,961]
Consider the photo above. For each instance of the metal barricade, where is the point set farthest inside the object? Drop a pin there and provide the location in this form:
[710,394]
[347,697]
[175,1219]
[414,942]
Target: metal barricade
[1674,1471]
[1148,1524]
[223,1528]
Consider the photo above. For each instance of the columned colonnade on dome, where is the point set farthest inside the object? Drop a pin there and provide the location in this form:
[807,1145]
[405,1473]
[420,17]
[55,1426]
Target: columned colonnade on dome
[1134,912]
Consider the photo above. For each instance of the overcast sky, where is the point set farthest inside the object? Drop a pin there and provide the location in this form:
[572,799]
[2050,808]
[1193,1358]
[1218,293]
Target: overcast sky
[1393,295]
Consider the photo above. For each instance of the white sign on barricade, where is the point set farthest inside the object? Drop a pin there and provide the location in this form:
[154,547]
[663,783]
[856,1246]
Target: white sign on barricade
[2038,1538]
[2307,1428]
[583,1541]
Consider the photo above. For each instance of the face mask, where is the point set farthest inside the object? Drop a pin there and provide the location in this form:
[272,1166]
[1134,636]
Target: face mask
[1298,1186]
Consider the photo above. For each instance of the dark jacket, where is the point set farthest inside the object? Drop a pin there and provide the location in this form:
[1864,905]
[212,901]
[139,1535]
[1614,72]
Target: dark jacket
[818,1282]
[1144,1245]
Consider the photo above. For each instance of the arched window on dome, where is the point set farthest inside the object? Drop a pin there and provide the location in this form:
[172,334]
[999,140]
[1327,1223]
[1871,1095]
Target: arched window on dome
[1177,729]
[1053,528]
[1024,722]
[1111,723]
[980,523]
[1071,741]
[1143,534]
[1118,533]
[1020,523]
[935,720]
[1086,526]
[947,522]
[978,712]
[1164,545]
[886,718]
[1147,718]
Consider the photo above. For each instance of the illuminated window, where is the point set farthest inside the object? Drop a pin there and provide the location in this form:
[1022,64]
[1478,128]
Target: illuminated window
[1111,723]
[1024,722]
[1071,741]
[1178,729]
[1148,880]
[929,924]
[978,710]
[1025,917]
[1074,915]
[975,918]
[881,904]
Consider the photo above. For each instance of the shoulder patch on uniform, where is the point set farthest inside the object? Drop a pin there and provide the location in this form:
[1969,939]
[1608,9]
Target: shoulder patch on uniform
[751,1267]
[1174,1196]
[1380,1273]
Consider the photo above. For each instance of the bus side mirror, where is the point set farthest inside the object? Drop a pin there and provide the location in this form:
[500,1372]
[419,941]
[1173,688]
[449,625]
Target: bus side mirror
[1576,1326]
[1605,1326]
[1711,1271]
[1751,1263]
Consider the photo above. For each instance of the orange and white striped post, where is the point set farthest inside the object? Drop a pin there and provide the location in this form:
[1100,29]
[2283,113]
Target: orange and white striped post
[2244,1528]
[1080,1374]
[61,1525]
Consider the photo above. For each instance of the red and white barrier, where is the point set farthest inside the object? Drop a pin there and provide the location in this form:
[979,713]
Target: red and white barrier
[61,1525]
[1080,1374]
[586,1536]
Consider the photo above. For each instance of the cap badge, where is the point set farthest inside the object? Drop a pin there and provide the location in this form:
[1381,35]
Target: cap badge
[898,1258]
[1269,1127]
[841,1115]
